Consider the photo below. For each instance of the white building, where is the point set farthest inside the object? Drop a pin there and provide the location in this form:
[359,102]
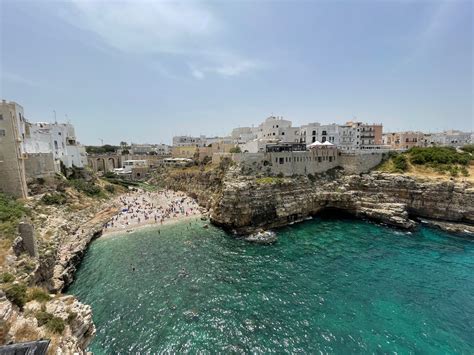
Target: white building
[156,149]
[244,134]
[313,132]
[451,138]
[278,128]
[56,138]
[188,141]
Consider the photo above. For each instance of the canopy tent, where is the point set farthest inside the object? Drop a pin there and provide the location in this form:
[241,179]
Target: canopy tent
[315,144]
[327,143]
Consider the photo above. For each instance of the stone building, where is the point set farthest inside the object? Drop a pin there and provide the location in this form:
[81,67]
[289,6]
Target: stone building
[404,140]
[12,150]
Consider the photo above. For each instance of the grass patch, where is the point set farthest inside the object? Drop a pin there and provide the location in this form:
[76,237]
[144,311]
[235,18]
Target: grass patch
[269,180]
[11,211]
[16,294]
[38,294]
[89,188]
[56,325]
[55,198]
[6,277]
[53,324]
[27,332]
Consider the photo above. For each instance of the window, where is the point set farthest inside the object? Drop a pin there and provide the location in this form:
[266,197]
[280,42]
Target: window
[324,133]
[282,133]
[2,133]
[282,160]
[319,159]
[56,145]
[314,133]
[1,117]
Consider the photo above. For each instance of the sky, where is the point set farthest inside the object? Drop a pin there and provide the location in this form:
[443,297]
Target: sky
[144,71]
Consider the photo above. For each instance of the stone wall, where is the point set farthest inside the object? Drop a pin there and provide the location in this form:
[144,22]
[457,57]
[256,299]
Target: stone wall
[360,163]
[287,163]
[303,163]
[40,165]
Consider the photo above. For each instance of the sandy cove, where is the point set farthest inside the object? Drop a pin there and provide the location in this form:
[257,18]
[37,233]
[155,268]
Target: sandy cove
[143,209]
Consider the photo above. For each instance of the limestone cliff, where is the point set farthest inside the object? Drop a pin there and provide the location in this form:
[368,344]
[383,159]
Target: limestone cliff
[247,203]
[243,203]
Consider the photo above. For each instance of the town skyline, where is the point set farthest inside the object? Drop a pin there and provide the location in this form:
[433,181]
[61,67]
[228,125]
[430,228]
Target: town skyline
[189,68]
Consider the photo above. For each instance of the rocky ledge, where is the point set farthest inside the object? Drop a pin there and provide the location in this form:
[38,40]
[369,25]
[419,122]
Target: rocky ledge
[248,203]
[75,318]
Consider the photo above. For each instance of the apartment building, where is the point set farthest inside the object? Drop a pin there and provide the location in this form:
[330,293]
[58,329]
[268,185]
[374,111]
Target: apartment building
[404,140]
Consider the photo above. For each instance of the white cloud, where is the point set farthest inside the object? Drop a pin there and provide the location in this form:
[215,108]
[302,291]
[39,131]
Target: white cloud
[145,26]
[188,31]
[233,67]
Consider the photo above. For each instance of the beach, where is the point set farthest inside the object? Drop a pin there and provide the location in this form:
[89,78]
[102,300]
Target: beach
[139,209]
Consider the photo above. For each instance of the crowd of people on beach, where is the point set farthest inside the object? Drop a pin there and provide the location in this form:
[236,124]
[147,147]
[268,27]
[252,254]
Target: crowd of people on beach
[140,208]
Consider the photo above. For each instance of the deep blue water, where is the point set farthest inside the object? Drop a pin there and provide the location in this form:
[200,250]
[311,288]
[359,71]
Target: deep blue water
[337,286]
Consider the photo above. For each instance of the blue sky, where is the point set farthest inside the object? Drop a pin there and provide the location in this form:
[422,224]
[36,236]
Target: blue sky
[144,71]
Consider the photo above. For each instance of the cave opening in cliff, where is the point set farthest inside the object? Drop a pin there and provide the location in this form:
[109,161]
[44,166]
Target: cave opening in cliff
[334,213]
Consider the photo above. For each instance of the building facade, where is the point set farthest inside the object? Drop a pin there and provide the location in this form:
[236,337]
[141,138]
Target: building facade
[12,150]
[56,138]
[404,140]
[277,128]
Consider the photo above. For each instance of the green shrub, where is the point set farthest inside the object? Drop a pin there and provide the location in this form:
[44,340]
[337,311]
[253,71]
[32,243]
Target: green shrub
[110,188]
[468,148]
[400,163]
[88,188]
[38,294]
[454,171]
[55,198]
[55,325]
[11,212]
[438,155]
[16,294]
[6,277]
[43,317]
[464,171]
[110,175]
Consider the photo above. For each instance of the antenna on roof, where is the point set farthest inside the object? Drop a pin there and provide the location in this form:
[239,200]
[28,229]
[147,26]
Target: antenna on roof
[55,121]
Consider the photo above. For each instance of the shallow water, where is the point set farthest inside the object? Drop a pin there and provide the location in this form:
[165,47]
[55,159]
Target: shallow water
[339,286]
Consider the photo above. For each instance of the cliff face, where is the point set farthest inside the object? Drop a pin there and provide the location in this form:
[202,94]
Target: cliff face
[63,233]
[247,203]
[78,330]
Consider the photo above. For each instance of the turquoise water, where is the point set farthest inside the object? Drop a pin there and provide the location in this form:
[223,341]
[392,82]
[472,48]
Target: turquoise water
[337,286]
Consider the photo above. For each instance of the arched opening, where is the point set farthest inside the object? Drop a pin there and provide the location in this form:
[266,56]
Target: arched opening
[111,163]
[100,164]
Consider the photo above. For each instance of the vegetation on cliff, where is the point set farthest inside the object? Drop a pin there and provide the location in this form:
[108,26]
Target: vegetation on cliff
[430,161]
[11,211]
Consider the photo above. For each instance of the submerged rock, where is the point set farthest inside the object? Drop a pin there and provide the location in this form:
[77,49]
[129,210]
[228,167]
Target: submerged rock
[262,237]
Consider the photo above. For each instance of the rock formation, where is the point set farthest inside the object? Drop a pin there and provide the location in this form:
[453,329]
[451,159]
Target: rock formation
[245,203]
